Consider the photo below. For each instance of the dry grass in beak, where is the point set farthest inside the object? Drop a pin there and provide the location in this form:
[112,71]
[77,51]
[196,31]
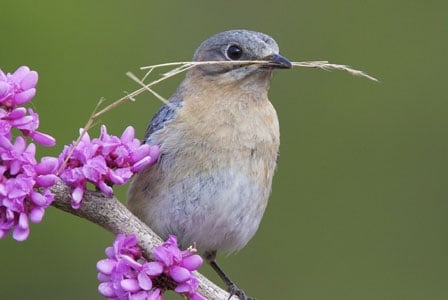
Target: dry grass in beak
[180,67]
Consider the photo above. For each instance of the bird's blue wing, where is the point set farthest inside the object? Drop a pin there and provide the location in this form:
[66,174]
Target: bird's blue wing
[165,114]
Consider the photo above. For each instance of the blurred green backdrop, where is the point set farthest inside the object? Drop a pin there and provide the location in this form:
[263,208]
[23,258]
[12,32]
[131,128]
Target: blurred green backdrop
[359,205]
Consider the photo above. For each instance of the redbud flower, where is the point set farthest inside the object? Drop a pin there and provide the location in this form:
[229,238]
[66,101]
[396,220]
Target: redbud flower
[17,89]
[179,265]
[126,274]
[104,161]
[20,174]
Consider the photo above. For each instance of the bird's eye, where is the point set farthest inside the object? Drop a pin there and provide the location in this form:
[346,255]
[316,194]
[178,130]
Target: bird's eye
[234,52]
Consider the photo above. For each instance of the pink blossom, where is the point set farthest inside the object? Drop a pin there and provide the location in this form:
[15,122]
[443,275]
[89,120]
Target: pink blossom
[126,274]
[17,88]
[20,174]
[104,161]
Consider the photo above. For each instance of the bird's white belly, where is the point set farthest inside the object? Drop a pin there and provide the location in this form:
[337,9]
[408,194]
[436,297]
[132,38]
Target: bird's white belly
[215,211]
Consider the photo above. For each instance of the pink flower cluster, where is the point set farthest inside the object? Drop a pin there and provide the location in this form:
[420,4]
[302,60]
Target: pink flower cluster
[17,89]
[104,161]
[125,274]
[20,174]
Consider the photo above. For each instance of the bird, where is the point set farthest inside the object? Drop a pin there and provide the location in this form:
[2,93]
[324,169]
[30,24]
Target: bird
[219,140]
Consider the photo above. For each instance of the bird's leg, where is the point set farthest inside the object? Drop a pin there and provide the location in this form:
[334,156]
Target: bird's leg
[232,288]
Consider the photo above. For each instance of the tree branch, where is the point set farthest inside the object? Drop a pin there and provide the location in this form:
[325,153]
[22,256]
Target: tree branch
[113,216]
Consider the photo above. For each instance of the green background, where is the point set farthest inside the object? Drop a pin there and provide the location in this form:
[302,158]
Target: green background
[359,205]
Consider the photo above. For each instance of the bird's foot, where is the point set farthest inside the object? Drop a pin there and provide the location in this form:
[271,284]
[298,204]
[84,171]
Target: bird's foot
[233,289]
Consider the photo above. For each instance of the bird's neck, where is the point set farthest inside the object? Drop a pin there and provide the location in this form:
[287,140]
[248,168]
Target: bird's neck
[221,89]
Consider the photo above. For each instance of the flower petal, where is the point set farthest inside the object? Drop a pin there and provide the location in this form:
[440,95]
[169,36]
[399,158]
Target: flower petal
[24,97]
[47,165]
[106,266]
[22,230]
[141,164]
[4,90]
[154,295]
[37,214]
[20,73]
[153,268]
[128,135]
[144,281]
[106,289]
[142,295]
[179,274]
[77,195]
[130,285]
[43,139]
[192,262]
[29,81]
[46,180]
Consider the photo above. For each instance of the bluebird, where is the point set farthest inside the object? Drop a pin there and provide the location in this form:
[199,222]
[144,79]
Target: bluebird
[219,140]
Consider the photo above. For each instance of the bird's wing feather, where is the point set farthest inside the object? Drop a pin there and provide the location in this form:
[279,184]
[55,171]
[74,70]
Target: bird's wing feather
[165,114]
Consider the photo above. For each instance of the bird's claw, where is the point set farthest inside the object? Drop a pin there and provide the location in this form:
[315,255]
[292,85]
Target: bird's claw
[235,290]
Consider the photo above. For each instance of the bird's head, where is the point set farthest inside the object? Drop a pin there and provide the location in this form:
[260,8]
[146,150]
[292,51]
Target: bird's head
[239,45]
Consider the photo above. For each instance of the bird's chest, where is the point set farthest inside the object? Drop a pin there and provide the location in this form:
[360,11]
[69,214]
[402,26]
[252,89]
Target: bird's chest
[243,138]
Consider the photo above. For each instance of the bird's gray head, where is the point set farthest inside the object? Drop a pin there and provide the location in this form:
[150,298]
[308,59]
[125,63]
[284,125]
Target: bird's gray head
[239,45]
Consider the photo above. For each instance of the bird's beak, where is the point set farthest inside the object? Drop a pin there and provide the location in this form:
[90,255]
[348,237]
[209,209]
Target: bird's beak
[277,61]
